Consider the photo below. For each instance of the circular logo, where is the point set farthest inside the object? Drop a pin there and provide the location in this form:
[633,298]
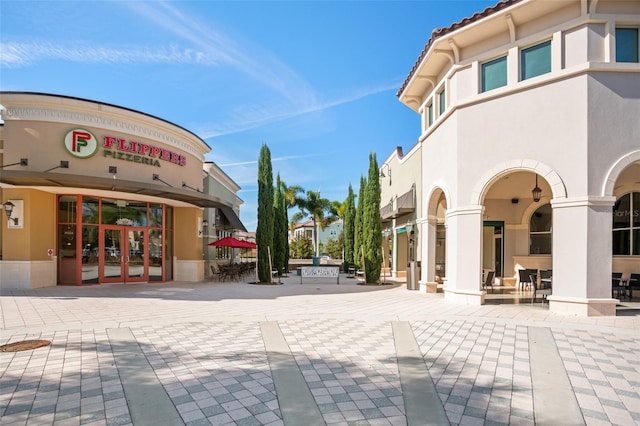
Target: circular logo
[81,143]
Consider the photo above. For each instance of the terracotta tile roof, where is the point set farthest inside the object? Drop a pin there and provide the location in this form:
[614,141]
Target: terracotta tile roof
[439,32]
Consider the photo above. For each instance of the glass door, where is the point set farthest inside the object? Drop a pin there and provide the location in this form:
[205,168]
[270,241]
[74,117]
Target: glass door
[123,255]
[135,262]
[112,257]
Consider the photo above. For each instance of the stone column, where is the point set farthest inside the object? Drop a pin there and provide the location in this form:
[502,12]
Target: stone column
[464,257]
[582,256]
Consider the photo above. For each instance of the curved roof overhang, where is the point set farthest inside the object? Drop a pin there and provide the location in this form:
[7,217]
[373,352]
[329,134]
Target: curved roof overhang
[61,180]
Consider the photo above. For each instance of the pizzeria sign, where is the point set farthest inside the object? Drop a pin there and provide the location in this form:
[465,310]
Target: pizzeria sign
[82,143]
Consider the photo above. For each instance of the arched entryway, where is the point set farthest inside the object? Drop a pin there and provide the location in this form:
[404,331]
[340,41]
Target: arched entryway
[434,267]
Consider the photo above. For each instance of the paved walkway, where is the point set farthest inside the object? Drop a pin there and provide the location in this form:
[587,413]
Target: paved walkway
[306,354]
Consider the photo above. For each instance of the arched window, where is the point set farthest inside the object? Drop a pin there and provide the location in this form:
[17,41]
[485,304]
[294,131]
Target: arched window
[540,228]
[626,225]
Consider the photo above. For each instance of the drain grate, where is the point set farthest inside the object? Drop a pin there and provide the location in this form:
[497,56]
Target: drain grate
[24,346]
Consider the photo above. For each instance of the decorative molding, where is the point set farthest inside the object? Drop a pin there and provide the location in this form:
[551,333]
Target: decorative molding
[512,28]
[456,51]
[77,118]
[588,201]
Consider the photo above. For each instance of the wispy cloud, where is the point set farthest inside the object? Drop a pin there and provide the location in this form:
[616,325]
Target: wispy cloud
[21,54]
[277,159]
[248,58]
[263,116]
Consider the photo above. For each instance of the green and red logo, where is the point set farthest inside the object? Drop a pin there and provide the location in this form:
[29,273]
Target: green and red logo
[81,143]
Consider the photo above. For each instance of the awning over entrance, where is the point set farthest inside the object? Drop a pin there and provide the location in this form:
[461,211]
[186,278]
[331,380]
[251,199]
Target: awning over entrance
[232,218]
[21,178]
[404,204]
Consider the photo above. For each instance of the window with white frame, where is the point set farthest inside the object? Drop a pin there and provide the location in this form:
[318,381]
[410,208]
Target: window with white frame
[430,114]
[535,60]
[540,230]
[626,225]
[627,45]
[493,74]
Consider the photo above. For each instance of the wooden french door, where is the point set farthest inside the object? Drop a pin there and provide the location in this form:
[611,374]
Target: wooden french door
[124,254]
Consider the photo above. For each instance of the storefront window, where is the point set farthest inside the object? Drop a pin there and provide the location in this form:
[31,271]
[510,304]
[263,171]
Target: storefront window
[90,210]
[67,209]
[626,225]
[124,212]
[155,215]
[540,230]
[155,255]
[90,253]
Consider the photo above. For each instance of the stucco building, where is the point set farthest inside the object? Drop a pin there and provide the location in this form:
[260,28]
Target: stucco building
[529,95]
[99,193]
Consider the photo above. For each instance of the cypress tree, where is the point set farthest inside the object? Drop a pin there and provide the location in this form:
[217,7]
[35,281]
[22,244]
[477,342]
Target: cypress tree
[264,230]
[349,226]
[280,228]
[358,238]
[371,223]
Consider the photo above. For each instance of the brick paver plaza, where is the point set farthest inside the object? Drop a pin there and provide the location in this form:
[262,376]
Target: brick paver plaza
[311,353]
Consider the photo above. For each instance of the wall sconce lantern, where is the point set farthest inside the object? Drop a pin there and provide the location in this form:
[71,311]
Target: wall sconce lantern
[383,175]
[13,210]
[537,192]
[205,224]
[113,170]
[8,209]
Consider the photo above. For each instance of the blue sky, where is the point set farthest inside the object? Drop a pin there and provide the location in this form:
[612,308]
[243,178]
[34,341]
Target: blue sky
[314,80]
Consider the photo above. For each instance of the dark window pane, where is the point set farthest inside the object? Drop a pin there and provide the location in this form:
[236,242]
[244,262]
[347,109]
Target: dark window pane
[90,210]
[169,222]
[636,242]
[67,241]
[626,45]
[168,255]
[494,74]
[67,208]
[540,244]
[442,97]
[621,240]
[636,210]
[541,219]
[535,60]
[622,212]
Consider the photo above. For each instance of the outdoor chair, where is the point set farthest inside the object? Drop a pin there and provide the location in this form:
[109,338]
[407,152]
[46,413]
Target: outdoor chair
[524,278]
[488,282]
[616,285]
[634,283]
[537,289]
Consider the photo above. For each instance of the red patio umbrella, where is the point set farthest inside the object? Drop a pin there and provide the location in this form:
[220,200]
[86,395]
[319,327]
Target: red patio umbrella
[233,243]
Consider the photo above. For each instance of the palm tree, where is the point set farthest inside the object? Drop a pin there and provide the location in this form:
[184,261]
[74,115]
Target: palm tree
[321,210]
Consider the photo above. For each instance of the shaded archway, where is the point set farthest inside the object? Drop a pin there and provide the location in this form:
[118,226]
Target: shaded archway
[516,231]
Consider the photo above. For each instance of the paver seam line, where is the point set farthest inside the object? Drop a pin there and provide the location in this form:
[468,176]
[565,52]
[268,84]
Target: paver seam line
[148,402]
[295,399]
[632,332]
[553,397]
[421,400]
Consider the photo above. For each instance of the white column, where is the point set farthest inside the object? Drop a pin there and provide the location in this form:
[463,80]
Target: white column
[582,256]
[464,256]
[428,247]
